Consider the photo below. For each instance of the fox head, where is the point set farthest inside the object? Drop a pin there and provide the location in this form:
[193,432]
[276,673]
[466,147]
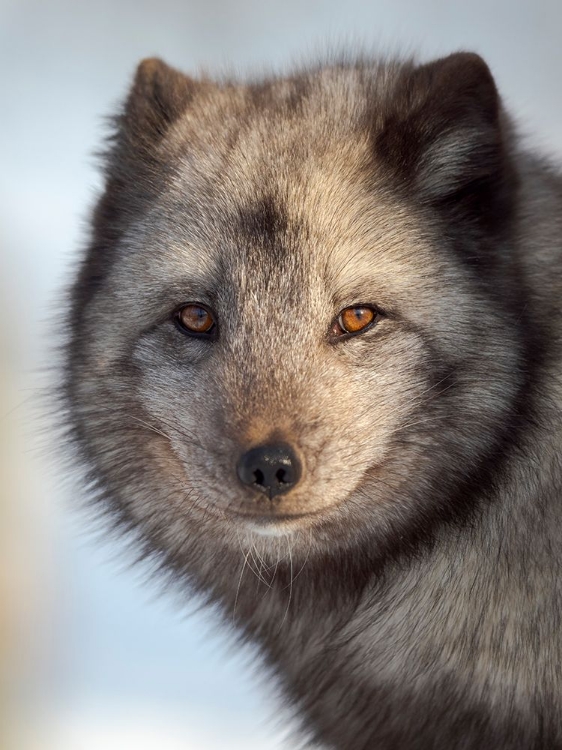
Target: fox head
[294,317]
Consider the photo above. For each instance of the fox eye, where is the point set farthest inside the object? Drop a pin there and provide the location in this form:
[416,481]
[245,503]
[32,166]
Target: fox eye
[354,320]
[195,319]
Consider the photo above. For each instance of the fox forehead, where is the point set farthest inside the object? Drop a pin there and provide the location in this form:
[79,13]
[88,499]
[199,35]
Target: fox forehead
[282,183]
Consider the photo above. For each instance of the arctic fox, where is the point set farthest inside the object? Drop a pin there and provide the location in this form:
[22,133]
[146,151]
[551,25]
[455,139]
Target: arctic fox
[314,363]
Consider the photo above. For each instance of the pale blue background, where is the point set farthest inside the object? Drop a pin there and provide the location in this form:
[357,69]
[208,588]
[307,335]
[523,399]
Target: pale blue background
[119,666]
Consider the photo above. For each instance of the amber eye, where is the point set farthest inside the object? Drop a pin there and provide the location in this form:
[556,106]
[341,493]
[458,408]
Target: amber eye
[195,320]
[354,320]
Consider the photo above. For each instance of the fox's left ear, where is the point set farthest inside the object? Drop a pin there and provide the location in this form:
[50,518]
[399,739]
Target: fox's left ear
[442,131]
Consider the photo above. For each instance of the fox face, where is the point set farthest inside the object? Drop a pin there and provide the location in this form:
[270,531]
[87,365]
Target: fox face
[287,321]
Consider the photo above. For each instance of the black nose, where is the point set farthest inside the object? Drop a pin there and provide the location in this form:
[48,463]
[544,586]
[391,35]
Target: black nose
[273,469]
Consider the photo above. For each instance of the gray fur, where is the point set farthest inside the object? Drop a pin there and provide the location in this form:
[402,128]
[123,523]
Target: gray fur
[407,591]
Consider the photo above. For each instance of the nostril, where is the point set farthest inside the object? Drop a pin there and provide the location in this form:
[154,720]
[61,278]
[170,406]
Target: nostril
[272,469]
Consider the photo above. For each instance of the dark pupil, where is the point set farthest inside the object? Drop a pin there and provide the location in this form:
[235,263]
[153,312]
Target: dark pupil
[200,313]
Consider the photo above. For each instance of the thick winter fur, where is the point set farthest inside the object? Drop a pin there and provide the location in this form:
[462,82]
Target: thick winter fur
[408,590]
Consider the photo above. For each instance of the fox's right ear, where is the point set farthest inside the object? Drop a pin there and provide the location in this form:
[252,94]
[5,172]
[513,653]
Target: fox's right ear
[135,167]
[159,96]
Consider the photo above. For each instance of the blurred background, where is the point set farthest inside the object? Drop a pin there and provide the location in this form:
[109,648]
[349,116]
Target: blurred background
[92,654]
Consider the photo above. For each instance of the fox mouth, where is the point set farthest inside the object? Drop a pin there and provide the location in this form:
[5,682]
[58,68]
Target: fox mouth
[270,523]
[271,518]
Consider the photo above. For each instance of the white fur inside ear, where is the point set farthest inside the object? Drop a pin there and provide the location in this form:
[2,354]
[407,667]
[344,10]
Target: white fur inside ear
[449,163]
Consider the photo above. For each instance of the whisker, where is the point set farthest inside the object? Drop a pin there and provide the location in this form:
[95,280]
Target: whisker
[302,566]
[239,582]
[150,427]
[290,583]
[254,571]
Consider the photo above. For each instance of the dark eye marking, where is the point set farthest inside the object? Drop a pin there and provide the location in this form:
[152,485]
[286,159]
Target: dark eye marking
[195,319]
[354,320]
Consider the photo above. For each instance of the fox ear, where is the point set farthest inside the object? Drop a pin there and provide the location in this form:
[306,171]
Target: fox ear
[158,96]
[135,168]
[443,131]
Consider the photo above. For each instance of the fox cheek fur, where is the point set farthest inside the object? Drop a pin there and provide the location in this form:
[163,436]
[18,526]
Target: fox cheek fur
[391,481]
